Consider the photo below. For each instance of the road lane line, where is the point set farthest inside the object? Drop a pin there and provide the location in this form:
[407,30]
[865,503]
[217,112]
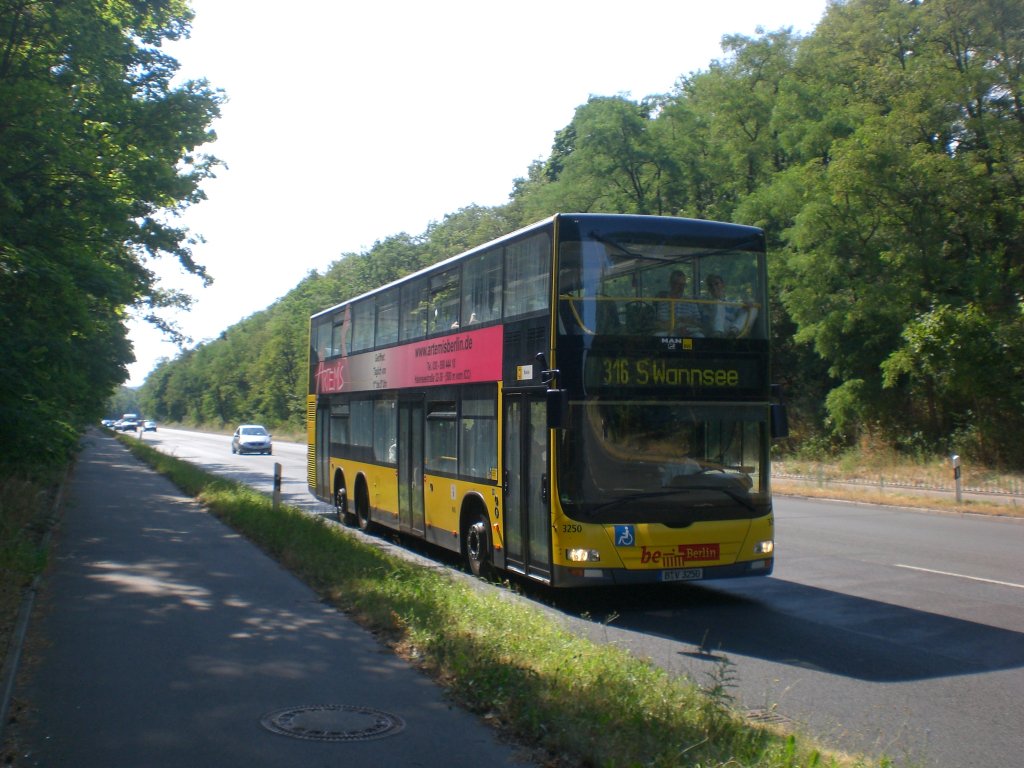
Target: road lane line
[960,576]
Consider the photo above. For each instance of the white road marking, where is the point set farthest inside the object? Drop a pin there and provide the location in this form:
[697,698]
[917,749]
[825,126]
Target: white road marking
[960,576]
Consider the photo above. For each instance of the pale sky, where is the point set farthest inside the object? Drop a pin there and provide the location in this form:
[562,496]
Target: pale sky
[350,122]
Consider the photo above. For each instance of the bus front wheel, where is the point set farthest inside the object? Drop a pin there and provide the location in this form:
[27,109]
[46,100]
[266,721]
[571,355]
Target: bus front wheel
[478,547]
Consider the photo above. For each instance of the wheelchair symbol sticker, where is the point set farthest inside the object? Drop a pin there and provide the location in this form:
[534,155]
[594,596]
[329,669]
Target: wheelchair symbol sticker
[625,536]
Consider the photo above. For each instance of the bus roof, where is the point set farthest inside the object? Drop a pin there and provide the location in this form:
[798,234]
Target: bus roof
[705,227]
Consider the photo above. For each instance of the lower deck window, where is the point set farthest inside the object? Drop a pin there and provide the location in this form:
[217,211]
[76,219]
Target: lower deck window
[441,444]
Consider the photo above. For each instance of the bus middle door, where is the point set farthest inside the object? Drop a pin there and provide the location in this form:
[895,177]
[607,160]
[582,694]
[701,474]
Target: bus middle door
[410,466]
[525,483]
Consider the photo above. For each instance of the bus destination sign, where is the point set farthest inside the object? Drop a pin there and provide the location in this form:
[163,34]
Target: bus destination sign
[682,373]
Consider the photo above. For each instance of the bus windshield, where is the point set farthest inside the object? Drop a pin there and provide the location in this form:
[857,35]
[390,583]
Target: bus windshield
[649,461]
[662,348]
[644,283]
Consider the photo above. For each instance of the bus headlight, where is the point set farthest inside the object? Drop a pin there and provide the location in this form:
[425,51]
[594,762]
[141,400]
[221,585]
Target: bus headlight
[764,547]
[582,555]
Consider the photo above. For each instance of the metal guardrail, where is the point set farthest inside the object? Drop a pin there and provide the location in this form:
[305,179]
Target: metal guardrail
[1017,490]
[1014,490]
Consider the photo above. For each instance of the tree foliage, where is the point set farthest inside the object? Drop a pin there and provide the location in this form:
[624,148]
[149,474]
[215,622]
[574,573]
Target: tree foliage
[910,223]
[98,152]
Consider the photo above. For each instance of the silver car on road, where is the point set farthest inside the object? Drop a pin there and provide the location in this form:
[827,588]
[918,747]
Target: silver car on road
[252,438]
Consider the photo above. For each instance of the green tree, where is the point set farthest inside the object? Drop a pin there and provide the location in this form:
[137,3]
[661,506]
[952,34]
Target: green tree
[97,154]
[462,230]
[720,123]
[605,160]
[947,357]
[910,220]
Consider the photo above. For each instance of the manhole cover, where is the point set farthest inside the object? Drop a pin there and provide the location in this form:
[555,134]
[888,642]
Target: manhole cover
[332,722]
[767,716]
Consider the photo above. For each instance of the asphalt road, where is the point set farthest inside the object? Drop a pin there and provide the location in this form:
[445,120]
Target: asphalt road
[883,630]
[256,470]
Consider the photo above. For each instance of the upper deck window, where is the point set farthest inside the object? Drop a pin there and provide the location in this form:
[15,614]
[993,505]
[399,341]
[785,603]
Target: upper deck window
[341,333]
[661,284]
[387,317]
[415,305]
[527,269]
[481,288]
[444,302]
[362,324]
[320,339]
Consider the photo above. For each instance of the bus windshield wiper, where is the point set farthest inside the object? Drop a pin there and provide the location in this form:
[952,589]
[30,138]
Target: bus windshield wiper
[637,497]
[711,470]
[740,498]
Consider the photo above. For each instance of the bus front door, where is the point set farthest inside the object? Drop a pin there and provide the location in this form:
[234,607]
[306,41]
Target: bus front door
[527,508]
[410,466]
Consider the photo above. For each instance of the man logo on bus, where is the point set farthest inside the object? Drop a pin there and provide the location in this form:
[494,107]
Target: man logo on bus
[625,536]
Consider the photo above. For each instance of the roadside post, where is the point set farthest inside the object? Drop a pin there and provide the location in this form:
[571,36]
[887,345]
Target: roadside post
[955,458]
[277,484]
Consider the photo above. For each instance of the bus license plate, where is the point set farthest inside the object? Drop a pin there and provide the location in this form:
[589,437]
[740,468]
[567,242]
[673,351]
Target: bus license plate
[682,574]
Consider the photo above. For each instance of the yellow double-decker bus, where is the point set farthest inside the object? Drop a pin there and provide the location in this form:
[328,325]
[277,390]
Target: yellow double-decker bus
[585,401]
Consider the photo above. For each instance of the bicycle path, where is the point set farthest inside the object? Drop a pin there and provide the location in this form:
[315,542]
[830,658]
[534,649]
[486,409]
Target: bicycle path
[163,638]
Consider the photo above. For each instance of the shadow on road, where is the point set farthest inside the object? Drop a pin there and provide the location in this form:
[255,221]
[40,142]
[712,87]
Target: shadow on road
[769,619]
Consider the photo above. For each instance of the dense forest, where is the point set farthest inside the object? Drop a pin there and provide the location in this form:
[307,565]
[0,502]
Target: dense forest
[98,153]
[883,154]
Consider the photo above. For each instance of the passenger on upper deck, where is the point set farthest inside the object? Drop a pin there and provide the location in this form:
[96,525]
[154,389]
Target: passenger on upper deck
[678,315]
[724,316]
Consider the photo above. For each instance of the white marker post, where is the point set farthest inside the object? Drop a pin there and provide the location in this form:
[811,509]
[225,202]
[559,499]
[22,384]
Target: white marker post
[277,484]
[956,477]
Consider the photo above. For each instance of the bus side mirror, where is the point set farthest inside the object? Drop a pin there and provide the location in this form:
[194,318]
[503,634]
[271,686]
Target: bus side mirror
[779,417]
[558,408]
[780,421]
[779,414]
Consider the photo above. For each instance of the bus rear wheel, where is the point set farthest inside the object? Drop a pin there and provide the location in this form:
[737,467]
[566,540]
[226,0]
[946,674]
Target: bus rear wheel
[363,510]
[345,517]
[478,547]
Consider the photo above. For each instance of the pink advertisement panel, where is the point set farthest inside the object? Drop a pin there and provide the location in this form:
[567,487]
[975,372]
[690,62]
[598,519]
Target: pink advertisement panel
[461,358]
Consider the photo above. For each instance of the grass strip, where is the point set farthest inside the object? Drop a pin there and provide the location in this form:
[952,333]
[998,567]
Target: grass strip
[26,515]
[582,703]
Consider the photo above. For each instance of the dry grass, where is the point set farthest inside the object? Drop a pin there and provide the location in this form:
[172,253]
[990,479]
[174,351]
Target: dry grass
[882,477]
[892,496]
